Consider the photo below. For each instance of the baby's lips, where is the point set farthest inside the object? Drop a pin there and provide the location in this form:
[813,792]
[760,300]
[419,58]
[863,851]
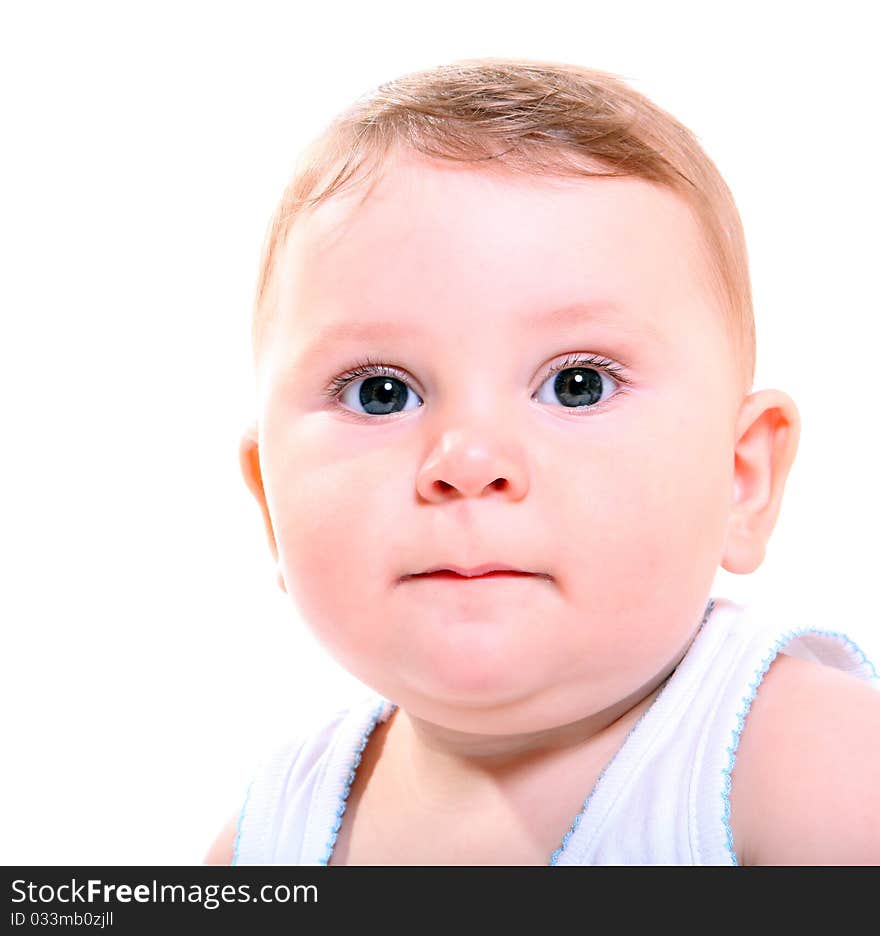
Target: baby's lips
[478,570]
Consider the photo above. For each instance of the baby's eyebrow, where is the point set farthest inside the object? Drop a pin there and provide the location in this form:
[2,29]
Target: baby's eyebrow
[333,334]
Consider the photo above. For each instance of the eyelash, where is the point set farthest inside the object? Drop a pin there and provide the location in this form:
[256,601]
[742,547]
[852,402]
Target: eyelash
[371,368]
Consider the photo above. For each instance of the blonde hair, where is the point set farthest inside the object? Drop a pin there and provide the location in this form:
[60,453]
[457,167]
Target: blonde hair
[539,118]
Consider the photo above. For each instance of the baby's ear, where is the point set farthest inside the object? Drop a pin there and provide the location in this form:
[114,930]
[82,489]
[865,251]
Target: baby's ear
[767,433]
[249,460]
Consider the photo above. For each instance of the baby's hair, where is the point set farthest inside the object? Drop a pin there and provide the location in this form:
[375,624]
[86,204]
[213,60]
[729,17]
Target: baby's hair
[534,117]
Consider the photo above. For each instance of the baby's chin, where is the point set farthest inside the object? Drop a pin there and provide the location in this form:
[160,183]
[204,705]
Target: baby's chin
[491,658]
[489,687]
[496,710]
[474,681]
[478,658]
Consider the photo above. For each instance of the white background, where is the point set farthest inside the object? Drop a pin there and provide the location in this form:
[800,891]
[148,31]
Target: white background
[148,655]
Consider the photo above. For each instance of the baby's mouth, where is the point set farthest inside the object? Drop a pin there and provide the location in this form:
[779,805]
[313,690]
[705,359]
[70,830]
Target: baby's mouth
[484,573]
[447,574]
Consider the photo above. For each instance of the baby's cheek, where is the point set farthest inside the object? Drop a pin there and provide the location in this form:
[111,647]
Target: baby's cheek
[340,548]
[642,543]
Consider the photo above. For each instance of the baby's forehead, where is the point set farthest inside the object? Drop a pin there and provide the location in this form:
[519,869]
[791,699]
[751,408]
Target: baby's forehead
[415,193]
[460,244]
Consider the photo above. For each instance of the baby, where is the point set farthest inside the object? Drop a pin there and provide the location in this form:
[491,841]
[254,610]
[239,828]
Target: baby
[505,437]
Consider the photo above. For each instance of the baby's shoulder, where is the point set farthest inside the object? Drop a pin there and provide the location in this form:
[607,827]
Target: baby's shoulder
[223,847]
[805,786]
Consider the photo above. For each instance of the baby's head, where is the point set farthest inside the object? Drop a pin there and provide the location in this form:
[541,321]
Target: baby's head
[504,318]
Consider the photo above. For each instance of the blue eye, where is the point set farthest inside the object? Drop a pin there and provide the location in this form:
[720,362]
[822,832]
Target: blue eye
[382,392]
[577,382]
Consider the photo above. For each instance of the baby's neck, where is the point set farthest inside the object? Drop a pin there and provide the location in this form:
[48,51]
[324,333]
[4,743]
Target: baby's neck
[419,785]
[440,765]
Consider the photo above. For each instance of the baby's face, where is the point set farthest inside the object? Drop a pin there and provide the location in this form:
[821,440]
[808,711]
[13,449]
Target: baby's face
[613,478]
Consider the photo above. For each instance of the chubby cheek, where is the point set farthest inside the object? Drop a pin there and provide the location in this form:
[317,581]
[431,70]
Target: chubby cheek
[334,509]
[644,532]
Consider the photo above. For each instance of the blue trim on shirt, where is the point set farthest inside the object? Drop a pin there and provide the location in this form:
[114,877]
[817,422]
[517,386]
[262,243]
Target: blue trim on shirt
[238,827]
[554,858]
[343,797]
[747,704]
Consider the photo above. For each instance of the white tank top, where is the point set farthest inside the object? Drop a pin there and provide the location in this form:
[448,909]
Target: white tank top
[662,799]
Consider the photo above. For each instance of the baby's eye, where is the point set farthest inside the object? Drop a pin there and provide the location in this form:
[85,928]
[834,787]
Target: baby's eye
[577,383]
[382,394]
